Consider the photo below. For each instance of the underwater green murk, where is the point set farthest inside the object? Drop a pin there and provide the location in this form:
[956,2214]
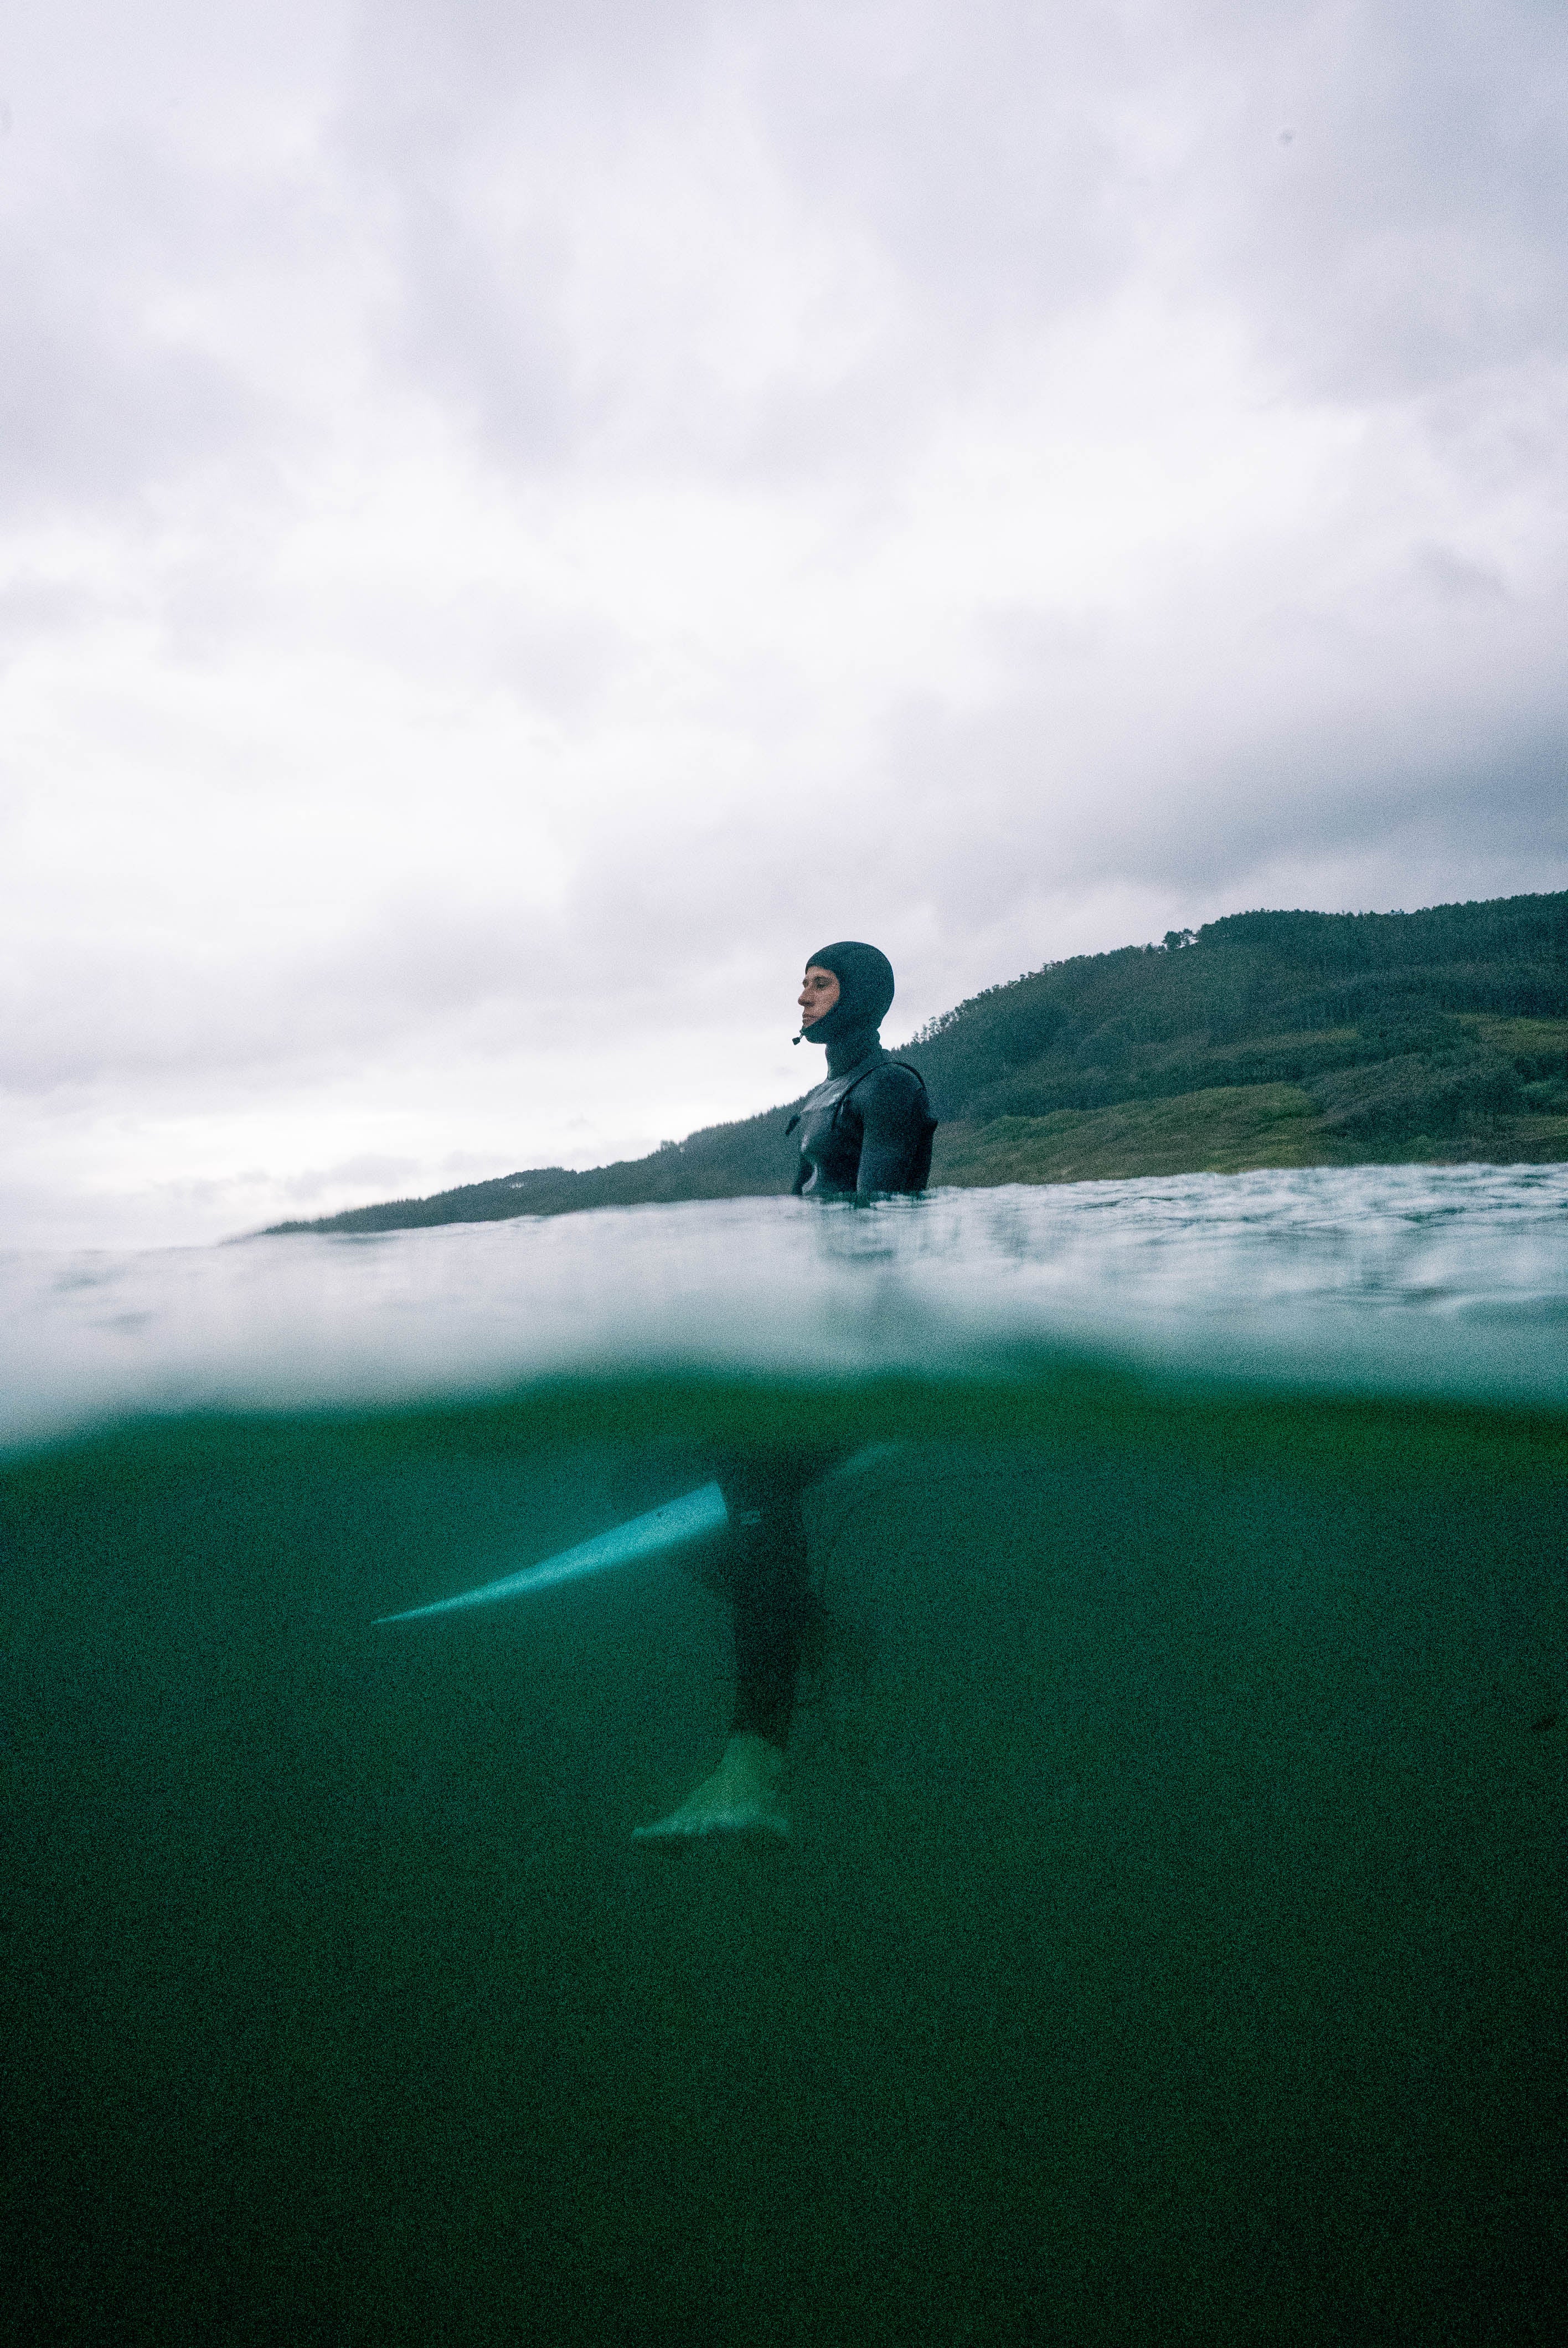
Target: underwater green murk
[1169,1944]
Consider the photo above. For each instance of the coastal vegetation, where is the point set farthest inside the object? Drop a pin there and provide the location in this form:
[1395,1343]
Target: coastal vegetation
[1263,1039]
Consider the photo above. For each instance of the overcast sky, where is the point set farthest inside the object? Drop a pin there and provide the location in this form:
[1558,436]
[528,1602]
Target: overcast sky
[521,520]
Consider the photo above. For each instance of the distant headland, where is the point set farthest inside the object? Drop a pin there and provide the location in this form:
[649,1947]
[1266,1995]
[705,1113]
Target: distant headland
[1264,1039]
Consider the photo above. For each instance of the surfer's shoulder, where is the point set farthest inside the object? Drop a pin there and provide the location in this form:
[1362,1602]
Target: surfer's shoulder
[892,1084]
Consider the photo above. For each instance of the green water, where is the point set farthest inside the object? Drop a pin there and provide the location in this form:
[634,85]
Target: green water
[1170,1944]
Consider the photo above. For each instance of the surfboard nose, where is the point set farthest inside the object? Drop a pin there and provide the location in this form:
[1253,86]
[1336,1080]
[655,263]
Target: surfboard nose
[668,1526]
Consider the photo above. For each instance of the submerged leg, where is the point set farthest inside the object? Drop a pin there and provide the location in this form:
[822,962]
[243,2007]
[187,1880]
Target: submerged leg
[765,1575]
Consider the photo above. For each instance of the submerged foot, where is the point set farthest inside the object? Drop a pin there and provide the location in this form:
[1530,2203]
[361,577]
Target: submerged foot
[744,1794]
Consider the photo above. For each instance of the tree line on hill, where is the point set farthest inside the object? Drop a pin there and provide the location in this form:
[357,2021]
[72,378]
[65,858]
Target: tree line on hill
[1431,1034]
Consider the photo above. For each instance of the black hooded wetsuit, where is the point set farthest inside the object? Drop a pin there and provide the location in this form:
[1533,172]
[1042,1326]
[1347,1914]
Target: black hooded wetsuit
[864,1131]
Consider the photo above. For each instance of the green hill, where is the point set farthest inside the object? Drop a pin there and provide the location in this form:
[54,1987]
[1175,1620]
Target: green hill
[1264,1039]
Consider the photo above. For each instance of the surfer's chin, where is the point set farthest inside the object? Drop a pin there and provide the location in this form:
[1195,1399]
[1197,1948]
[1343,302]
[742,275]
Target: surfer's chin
[743,1796]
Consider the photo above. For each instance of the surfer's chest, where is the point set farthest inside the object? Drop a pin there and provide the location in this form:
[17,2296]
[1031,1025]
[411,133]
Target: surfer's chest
[829,1131]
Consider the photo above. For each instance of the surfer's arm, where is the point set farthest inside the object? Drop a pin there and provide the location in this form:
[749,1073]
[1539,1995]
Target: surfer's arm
[894,1121]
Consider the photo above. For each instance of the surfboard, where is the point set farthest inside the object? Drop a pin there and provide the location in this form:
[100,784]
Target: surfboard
[670,1526]
[676,1522]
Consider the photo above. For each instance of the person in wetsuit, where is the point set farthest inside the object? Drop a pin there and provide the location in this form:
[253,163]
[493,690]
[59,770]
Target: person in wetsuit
[865,1133]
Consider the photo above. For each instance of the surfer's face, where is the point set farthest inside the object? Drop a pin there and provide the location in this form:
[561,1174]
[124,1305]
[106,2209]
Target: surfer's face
[817,996]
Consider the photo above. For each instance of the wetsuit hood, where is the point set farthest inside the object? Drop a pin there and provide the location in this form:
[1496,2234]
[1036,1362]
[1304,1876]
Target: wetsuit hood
[864,978]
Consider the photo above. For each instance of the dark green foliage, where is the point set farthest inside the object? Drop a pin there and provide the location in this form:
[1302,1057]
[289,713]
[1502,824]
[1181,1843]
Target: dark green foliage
[1258,998]
[1419,1093]
[1382,1018]
[748,1160]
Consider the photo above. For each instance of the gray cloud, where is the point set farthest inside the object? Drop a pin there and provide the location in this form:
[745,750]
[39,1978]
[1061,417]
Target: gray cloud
[1410,233]
[1400,230]
[96,406]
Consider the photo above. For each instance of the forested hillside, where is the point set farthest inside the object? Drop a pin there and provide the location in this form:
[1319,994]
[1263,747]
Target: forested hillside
[1263,1039]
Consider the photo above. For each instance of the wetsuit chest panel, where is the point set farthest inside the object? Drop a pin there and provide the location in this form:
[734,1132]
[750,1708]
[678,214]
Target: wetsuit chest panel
[867,1129]
[829,1142]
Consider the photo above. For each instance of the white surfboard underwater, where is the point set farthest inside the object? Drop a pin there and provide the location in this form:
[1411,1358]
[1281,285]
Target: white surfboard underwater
[692,1517]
